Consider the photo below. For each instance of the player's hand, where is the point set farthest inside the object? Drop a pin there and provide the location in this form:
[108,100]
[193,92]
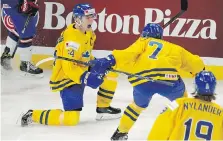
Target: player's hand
[29,8]
[102,65]
[92,80]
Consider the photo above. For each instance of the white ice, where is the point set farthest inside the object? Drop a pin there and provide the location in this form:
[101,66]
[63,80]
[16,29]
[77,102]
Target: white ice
[19,94]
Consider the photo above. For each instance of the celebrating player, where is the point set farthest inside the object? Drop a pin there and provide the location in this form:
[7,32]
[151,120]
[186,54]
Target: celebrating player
[149,56]
[192,118]
[76,42]
[16,14]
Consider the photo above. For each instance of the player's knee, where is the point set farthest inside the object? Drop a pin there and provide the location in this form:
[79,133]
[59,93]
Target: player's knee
[11,40]
[141,105]
[110,84]
[71,118]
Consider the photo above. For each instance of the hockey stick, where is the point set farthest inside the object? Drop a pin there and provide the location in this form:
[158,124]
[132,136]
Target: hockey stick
[112,70]
[184,6]
[23,31]
[26,24]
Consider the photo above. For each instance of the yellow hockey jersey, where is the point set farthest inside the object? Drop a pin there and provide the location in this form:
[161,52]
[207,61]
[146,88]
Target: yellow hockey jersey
[157,59]
[76,45]
[189,119]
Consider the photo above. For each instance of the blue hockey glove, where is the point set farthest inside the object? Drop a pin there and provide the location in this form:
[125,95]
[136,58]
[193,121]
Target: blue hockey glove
[92,80]
[102,65]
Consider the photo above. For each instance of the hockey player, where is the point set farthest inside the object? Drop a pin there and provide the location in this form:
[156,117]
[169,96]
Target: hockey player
[192,118]
[14,15]
[149,56]
[76,42]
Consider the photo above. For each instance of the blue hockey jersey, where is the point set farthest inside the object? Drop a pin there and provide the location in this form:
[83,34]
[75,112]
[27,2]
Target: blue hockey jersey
[10,9]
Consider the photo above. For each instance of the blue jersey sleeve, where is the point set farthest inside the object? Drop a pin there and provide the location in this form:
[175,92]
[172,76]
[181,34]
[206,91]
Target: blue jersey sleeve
[11,3]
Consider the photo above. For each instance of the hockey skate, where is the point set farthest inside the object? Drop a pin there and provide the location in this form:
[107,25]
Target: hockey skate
[108,113]
[26,118]
[6,59]
[118,136]
[28,69]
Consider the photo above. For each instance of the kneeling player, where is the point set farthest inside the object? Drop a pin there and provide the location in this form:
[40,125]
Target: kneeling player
[76,42]
[192,118]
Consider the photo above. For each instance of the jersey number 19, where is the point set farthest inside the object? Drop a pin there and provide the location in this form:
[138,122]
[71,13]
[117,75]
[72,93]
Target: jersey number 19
[199,125]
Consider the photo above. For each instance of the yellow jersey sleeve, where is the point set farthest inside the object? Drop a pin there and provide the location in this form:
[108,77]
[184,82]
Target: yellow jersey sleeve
[191,63]
[128,55]
[165,122]
[72,50]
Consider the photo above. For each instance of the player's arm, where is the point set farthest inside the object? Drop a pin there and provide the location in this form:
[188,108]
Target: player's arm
[119,58]
[78,73]
[164,123]
[191,63]
[128,55]
[11,3]
[71,50]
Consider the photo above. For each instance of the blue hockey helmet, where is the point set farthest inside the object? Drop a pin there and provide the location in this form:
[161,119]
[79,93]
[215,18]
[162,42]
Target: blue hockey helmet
[152,30]
[205,83]
[81,10]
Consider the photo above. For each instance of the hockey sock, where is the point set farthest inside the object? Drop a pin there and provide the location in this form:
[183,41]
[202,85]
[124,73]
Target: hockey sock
[56,117]
[129,117]
[25,48]
[106,92]
[11,42]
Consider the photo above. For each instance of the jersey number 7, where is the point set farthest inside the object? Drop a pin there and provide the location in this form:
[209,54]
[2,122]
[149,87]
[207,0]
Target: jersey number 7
[158,49]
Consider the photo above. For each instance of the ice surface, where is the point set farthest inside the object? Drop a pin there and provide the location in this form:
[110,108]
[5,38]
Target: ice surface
[19,94]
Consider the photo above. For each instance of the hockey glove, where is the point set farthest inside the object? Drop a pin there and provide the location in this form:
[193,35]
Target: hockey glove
[92,80]
[28,7]
[102,65]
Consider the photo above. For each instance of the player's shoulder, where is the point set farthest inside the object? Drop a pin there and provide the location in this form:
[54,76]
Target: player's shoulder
[71,30]
[165,42]
[91,32]
[71,37]
[185,99]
